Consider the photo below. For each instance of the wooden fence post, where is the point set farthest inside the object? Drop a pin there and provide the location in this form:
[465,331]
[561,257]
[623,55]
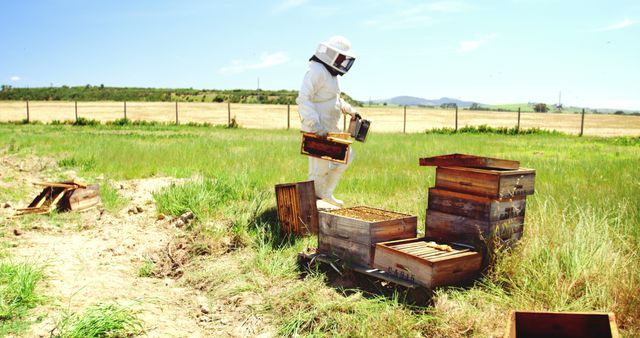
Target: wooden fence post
[229,113]
[582,123]
[27,111]
[177,121]
[518,126]
[404,125]
[288,116]
[125,111]
[76,109]
[456,118]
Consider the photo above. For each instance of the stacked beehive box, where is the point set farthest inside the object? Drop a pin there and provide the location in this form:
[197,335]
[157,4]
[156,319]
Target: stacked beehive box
[477,200]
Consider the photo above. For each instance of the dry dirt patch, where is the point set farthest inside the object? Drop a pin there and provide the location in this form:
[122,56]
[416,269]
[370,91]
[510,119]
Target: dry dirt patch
[97,261]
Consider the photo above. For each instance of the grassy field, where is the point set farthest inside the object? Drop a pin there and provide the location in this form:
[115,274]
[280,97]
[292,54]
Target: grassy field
[385,119]
[579,251]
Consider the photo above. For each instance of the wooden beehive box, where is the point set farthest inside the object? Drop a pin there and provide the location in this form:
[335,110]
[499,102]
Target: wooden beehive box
[446,227]
[331,148]
[415,260]
[476,207]
[351,233]
[495,183]
[297,211]
[561,324]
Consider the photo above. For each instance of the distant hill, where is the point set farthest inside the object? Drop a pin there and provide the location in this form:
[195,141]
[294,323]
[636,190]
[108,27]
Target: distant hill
[418,101]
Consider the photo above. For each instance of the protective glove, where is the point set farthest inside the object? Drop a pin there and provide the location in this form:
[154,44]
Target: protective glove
[321,131]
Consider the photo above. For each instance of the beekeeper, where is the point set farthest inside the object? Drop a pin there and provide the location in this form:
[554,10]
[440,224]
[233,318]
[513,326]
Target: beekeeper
[320,107]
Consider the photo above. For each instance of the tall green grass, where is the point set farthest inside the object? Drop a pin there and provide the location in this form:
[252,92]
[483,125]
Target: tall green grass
[578,253]
[100,320]
[18,294]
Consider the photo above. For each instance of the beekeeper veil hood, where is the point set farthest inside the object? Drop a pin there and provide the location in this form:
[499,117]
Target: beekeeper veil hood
[336,53]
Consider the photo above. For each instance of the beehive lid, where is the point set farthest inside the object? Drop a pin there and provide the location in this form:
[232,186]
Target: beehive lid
[471,161]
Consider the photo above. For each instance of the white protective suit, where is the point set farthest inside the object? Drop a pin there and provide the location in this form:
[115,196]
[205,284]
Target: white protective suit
[320,107]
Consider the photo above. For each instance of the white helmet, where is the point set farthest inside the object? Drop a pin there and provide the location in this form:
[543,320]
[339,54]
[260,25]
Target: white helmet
[336,53]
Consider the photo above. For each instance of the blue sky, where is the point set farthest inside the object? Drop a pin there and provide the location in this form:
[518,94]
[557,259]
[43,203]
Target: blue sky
[485,51]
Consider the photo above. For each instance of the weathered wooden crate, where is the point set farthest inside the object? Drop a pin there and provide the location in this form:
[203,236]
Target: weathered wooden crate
[476,207]
[329,148]
[81,198]
[297,211]
[496,183]
[473,161]
[446,227]
[561,324]
[352,233]
[415,260]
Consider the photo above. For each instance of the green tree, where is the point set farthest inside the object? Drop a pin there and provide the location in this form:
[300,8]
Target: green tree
[540,108]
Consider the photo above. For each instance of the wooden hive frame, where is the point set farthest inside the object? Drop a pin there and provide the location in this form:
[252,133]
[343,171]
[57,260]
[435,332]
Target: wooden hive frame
[331,148]
[297,210]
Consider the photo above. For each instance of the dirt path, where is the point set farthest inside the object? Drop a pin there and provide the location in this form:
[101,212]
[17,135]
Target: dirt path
[97,259]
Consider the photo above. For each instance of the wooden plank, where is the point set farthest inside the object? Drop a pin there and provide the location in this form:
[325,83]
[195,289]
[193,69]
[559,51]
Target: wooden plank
[41,198]
[308,217]
[70,184]
[523,324]
[476,207]
[462,160]
[485,182]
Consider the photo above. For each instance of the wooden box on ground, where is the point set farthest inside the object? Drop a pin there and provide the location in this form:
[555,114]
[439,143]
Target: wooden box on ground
[445,227]
[416,260]
[297,211]
[476,207]
[559,324]
[351,233]
[81,198]
[329,148]
[495,183]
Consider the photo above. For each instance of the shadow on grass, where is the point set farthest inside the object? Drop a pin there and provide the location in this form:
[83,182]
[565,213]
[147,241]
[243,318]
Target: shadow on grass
[349,282]
[267,223]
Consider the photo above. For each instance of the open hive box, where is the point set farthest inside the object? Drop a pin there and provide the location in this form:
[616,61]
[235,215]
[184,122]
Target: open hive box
[427,263]
[561,325]
[351,233]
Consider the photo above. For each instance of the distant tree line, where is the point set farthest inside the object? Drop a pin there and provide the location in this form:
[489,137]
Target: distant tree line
[102,93]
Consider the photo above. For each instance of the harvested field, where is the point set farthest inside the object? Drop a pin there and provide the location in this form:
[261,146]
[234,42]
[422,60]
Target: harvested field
[384,119]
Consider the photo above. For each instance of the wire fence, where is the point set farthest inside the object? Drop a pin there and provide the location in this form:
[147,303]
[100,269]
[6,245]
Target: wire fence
[405,119]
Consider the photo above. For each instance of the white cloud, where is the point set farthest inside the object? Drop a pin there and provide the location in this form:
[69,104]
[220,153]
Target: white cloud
[267,60]
[15,78]
[286,5]
[618,25]
[415,16]
[469,45]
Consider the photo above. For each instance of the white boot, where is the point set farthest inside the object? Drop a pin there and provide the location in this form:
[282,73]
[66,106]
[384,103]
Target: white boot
[331,182]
